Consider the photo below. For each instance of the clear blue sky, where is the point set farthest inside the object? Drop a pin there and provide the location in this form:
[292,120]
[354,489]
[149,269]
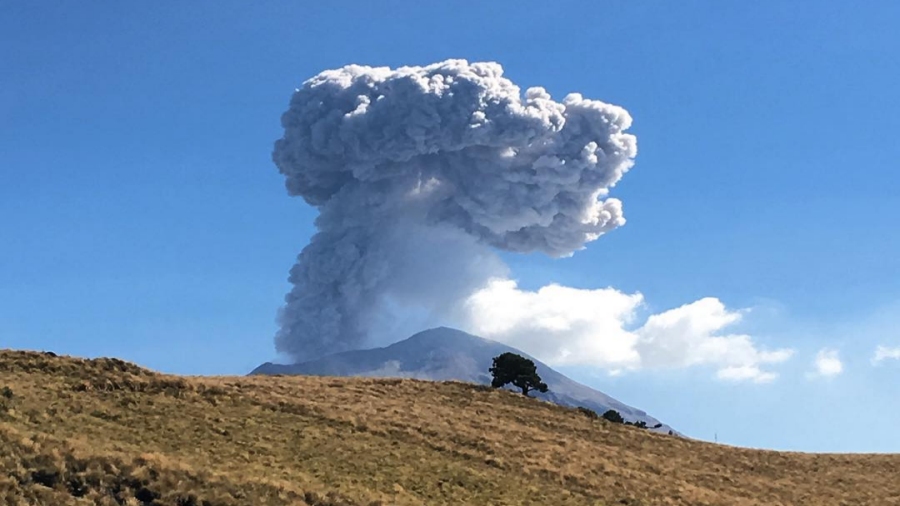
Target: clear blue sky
[141,215]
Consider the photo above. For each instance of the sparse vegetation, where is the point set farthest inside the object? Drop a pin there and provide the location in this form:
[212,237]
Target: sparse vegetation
[616,417]
[510,368]
[6,395]
[588,412]
[110,433]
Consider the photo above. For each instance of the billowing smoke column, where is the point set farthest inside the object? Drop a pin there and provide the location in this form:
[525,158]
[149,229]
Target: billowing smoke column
[418,172]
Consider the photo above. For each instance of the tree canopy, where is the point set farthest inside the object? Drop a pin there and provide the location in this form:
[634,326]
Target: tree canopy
[517,370]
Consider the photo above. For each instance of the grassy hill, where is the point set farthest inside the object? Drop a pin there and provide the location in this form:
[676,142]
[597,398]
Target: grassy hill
[108,432]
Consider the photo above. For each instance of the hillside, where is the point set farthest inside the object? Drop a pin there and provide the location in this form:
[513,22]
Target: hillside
[445,354]
[107,432]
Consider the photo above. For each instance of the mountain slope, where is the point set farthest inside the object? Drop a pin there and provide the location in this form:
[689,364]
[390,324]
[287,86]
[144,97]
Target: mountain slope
[444,354]
[81,432]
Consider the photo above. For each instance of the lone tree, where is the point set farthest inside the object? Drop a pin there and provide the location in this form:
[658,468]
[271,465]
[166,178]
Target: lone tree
[518,370]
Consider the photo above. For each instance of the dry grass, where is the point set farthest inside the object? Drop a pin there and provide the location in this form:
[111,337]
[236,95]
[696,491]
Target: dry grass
[107,432]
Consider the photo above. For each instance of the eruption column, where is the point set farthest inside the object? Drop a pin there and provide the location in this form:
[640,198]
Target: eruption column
[420,174]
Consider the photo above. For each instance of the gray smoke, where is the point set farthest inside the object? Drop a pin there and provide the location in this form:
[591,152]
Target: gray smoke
[418,172]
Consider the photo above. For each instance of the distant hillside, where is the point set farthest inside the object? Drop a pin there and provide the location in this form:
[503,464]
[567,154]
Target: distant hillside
[81,432]
[444,354]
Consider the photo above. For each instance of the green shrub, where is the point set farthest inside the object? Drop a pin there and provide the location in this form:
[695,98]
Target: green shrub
[6,392]
[613,416]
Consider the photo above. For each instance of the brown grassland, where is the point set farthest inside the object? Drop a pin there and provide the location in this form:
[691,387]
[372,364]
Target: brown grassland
[107,432]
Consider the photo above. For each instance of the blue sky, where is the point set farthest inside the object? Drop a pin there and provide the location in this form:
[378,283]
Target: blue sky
[142,216]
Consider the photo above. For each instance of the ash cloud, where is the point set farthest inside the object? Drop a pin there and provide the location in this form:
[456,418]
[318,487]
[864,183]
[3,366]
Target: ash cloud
[420,174]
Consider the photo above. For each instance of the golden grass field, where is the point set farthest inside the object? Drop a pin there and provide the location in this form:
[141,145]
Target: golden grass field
[107,432]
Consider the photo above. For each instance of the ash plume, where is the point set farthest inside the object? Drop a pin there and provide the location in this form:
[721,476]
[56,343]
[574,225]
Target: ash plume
[420,174]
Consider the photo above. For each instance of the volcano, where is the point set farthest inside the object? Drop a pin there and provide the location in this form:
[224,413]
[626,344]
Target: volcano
[445,354]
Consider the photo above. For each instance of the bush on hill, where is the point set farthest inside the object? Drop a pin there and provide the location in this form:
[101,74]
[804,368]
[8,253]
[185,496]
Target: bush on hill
[613,416]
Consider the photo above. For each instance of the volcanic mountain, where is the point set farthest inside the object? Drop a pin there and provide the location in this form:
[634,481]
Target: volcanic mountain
[444,354]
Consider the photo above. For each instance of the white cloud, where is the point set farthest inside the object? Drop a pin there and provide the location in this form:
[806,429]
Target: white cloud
[883,353]
[568,326]
[746,373]
[827,363]
[558,324]
[691,335]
